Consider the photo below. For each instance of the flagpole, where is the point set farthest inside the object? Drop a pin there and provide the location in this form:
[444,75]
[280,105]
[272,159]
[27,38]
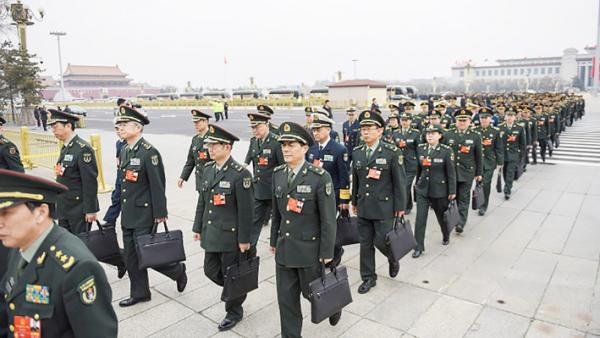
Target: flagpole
[225,73]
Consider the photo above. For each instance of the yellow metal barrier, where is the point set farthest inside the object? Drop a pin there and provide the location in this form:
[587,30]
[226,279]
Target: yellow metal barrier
[43,150]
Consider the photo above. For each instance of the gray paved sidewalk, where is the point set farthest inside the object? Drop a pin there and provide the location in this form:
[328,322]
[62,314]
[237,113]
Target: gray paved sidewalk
[529,268]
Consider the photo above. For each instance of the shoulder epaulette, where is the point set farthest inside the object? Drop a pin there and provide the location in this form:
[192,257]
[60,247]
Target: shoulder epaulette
[280,167]
[424,145]
[445,146]
[358,147]
[320,171]
[237,166]
[390,146]
[209,163]
[415,129]
[2,140]
[61,258]
[81,144]
[146,145]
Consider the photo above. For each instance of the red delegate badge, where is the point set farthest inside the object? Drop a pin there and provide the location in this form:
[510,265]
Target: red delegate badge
[402,144]
[374,173]
[202,155]
[512,138]
[59,170]
[426,162]
[294,205]
[318,163]
[131,176]
[465,149]
[263,161]
[219,199]
[27,327]
[487,142]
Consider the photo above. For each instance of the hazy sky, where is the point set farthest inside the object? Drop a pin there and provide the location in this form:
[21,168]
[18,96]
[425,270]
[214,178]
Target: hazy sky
[293,42]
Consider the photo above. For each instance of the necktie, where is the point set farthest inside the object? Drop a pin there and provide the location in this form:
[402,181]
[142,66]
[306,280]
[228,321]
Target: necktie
[369,152]
[290,177]
[22,264]
[320,147]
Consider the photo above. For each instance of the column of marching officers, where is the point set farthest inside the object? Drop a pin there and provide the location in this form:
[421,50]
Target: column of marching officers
[302,178]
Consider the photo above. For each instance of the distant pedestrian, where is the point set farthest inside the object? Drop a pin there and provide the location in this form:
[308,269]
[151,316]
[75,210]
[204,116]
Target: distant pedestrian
[374,105]
[44,117]
[327,108]
[36,115]
[226,110]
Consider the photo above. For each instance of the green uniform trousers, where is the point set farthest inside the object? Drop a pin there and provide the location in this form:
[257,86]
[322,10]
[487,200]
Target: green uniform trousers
[508,170]
[439,206]
[463,199]
[290,283]
[372,234]
[410,177]
[487,186]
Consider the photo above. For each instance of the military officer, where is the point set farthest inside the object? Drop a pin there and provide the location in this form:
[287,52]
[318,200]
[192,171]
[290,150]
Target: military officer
[466,144]
[493,153]
[303,226]
[9,153]
[528,122]
[266,110]
[378,194]
[422,118]
[143,202]
[265,154]
[76,168]
[436,185]
[543,131]
[54,286]
[224,215]
[407,139]
[351,131]
[197,154]
[333,157]
[445,119]
[474,109]
[499,115]
[308,112]
[513,137]
[554,124]
[393,124]
[452,106]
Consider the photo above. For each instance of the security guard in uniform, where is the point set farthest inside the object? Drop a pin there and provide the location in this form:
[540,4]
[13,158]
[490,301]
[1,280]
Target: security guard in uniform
[493,153]
[265,154]
[513,137]
[407,140]
[9,154]
[436,184]
[303,226]
[333,157]
[350,131]
[54,286]
[224,215]
[197,154]
[466,144]
[143,202]
[76,168]
[378,194]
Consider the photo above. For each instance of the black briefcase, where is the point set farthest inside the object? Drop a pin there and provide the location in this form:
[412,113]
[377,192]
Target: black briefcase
[160,248]
[240,278]
[451,216]
[329,293]
[102,242]
[400,240]
[477,197]
[499,181]
[520,170]
[347,230]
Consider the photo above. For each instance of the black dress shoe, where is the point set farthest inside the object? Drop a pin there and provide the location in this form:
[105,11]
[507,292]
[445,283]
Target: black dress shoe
[394,268]
[459,228]
[366,286]
[417,253]
[182,280]
[333,320]
[132,301]
[481,212]
[227,324]
[507,196]
[121,270]
[446,242]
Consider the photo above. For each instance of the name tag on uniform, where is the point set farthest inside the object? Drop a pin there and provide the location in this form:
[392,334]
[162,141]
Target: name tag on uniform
[469,141]
[438,160]
[225,184]
[134,161]
[410,140]
[68,157]
[267,151]
[381,161]
[304,189]
[328,158]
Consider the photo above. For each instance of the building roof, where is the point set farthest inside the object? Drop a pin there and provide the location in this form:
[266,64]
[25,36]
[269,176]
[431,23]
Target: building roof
[79,70]
[358,83]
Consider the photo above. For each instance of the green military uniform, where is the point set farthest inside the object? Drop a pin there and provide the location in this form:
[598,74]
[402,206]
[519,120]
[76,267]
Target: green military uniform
[54,287]
[76,168]
[378,191]
[302,229]
[529,124]
[407,140]
[469,163]
[554,126]
[446,121]
[493,156]
[9,153]
[436,180]
[265,155]
[197,154]
[543,133]
[514,141]
[224,217]
[143,201]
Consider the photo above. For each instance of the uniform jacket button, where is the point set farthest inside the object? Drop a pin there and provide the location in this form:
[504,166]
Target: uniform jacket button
[124,200]
[145,204]
[367,194]
[12,306]
[287,221]
[287,234]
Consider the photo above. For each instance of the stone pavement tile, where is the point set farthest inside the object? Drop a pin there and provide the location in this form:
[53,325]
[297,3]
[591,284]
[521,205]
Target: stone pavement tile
[540,329]
[590,335]
[202,298]
[192,326]
[545,201]
[482,277]
[153,320]
[263,323]
[568,204]
[402,308]
[226,334]
[325,330]
[266,269]
[156,278]
[366,329]
[594,326]
[498,324]
[583,241]
[196,280]
[363,304]
[255,301]
[126,312]
[522,229]
[573,280]
[452,318]
[553,233]
[442,272]
[579,184]
[120,289]
[518,199]
[522,288]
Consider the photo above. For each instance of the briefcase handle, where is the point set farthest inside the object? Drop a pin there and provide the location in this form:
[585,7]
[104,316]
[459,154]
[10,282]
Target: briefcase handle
[88,226]
[155,228]
[332,268]
[400,220]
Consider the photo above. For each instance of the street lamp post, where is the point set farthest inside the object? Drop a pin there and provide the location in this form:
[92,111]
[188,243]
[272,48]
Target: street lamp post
[62,83]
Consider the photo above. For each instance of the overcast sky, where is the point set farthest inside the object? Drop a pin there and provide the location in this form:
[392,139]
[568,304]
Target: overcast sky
[294,42]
